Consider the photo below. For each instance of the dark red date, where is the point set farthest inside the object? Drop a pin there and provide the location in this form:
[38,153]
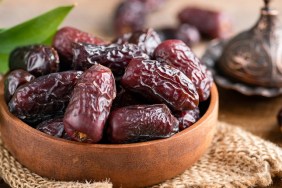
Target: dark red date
[43,97]
[90,104]
[147,40]
[212,24]
[64,39]
[141,123]
[114,56]
[127,98]
[15,79]
[179,55]
[38,60]
[129,16]
[162,83]
[185,32]
[187,118]
[53,127]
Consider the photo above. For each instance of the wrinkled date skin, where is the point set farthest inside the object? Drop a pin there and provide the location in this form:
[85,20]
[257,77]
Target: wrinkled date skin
[185,32]
[129,16]
[114,56]
[53,127]
[15,79]
[147,40]
[64,39]
[127,98]
[187,118]
[38,60]
[90,104]
[43,97]
[179,55]
[141,123]
[161,82]
[211,24]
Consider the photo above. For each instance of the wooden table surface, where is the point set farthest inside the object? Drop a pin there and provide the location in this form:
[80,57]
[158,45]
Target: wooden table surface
[254,114]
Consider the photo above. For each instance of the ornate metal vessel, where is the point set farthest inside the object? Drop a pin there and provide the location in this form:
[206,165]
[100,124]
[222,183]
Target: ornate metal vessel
[255,56]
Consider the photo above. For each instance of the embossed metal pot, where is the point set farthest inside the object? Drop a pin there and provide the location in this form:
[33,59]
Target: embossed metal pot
[255,56]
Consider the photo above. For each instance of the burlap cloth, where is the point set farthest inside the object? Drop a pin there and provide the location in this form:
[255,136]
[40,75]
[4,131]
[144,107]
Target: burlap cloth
[235,158]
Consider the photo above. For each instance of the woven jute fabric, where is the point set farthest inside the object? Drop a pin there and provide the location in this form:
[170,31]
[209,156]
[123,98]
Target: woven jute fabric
[235,158]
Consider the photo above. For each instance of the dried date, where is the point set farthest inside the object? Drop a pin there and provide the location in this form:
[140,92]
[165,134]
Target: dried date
[185,32]
[127,98]
[53,127]
[15,79]
[187,118]
[38,60]
[43,97]
[129,16]
[147,40]
[210,23]
[161,82]
[63,40]
[179,55]
[114,56]
[90,104]
[141,123]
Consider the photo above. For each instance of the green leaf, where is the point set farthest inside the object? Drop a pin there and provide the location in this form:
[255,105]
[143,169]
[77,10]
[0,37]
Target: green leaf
[4,63]
[33,31]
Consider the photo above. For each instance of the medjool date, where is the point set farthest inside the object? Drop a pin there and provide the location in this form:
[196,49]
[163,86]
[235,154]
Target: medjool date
[129,16]
[43,97]
[147,40]
[161,82]
[179,55]
[141,123]
[90,104]
[15,79]
[64,39]
[187,118]
[210,23]
[185,32]
[114,56]
[38,60]
[127,98]
[53,127]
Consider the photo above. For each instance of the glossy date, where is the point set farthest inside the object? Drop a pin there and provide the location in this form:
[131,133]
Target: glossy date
[162,83]
[43,97]
[141,123]
[187,118]
[15,79]
[38,60]
[90,104]
[179,55]
[64,39]
[53,127]
[114,56]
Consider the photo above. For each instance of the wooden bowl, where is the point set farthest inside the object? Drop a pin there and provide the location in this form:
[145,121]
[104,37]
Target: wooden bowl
[126,165]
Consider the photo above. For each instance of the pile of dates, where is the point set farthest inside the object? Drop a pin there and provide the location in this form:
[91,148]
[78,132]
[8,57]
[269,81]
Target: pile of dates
[82,88]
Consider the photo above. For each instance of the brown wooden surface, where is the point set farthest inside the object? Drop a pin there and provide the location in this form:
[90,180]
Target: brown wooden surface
[255,114]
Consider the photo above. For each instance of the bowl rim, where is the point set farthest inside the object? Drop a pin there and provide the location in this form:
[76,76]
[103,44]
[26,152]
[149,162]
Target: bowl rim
[30,130]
